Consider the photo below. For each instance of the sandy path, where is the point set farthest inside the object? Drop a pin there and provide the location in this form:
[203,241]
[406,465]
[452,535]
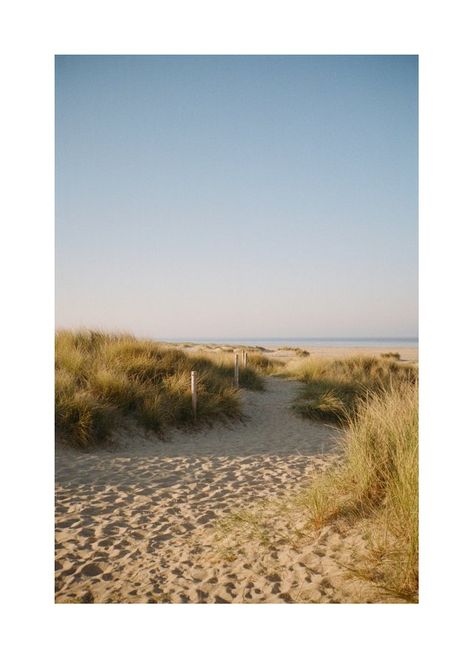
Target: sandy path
[138,524]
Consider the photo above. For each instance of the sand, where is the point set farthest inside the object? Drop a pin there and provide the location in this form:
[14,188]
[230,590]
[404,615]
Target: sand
[204,517]
[407,353]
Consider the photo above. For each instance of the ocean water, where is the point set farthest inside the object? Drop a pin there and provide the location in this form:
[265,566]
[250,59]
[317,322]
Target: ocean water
[350,342]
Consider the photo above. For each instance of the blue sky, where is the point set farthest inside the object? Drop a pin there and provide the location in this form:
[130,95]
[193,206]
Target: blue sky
[237,196]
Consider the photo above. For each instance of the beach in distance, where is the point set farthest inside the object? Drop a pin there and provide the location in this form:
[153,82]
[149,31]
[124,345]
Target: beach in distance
[236,356]
[284,347]
[257,499]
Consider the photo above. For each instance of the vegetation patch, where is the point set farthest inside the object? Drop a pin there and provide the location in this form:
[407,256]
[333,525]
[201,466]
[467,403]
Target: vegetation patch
[299,352]
[377,484]
[333,389]
[103,379]
[391,355]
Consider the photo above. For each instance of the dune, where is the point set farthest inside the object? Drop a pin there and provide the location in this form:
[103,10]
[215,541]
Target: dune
[407,353]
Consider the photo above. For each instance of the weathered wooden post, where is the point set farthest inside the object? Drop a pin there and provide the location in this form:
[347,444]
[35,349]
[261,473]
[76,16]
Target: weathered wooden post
[245,359]
[236,370]
[194,394]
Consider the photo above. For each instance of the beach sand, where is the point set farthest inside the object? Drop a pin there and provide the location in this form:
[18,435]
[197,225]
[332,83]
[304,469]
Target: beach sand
[204,517]
[408,354]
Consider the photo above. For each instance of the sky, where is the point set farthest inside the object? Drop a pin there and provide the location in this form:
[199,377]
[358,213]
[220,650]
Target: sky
[224,196]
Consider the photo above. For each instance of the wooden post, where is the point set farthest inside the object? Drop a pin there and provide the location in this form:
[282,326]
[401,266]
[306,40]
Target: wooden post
[245,359]
[236,370]
[194,394]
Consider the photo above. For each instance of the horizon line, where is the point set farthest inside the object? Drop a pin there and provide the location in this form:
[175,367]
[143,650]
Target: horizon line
[296,338]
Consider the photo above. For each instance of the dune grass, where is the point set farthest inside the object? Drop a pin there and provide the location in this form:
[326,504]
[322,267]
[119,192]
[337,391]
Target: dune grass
[333,388]
[376,484]
[299,352]
[219,347]
[262,364]
[391,355]
[102,380]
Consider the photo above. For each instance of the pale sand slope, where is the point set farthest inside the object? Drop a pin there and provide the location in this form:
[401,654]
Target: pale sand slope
[407,353]
[138,523]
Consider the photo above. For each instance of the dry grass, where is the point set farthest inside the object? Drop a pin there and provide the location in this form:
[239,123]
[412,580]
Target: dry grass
[377,484]
[102,380]
[299,352]
[333,388]
[391,355]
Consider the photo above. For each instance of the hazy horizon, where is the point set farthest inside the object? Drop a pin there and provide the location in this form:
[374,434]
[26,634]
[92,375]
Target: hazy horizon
[302,341]
[238,196]
[297,340]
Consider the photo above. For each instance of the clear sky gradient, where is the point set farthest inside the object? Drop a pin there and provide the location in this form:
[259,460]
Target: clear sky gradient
[237,196]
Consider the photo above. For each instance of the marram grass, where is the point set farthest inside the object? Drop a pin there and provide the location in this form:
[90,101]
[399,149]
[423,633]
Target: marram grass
[333,388]
[103,379]
[376,484]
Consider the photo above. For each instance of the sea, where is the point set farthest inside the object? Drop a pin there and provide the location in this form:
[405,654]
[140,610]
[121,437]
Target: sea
[315,342]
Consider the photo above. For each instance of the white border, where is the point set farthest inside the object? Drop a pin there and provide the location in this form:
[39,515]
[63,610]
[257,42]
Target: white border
[32,33]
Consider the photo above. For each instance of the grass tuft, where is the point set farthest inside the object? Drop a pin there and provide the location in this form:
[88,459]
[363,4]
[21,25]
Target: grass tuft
[391,355]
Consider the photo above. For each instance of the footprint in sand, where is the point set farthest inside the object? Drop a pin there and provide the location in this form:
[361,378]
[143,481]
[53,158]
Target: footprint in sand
[141,512]
[91,570]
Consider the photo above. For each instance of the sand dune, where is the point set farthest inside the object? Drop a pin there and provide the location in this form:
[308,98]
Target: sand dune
[152,521]
[407,353]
